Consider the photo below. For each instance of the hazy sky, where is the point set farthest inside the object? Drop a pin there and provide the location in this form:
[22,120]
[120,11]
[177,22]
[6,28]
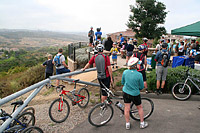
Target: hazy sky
[79,15]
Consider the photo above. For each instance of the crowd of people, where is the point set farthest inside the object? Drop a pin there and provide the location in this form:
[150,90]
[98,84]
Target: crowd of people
[134,78]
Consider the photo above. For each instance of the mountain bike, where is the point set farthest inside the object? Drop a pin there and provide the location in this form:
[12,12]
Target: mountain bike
[22,121]
[59,109]
[102,113]
[181,90]
[32,129]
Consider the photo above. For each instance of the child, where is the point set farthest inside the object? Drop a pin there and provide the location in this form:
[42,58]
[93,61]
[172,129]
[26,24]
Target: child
[114,52]
[49,67]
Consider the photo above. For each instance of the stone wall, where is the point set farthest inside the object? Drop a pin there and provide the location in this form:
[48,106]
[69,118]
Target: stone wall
[71,64]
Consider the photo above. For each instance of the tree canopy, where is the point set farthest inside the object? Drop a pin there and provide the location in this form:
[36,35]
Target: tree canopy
[147,17]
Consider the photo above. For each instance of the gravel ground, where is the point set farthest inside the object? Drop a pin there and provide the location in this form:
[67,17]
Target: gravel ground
[42,103]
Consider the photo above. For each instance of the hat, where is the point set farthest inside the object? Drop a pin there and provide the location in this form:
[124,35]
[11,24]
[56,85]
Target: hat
[120,34]
[91,27]
[132,61]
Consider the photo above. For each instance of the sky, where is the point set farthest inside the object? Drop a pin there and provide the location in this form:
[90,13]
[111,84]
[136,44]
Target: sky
[80,15]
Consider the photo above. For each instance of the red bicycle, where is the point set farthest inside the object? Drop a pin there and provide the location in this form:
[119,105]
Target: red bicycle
[59,109]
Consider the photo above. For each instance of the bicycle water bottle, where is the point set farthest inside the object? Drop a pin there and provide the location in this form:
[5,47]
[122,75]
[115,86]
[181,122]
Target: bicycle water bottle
[119,105]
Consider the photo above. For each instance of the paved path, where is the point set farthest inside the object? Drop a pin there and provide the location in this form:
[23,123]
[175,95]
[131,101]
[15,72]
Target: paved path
[169,116]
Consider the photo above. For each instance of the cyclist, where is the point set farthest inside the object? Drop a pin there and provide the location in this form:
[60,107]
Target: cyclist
[145,45]
[161,71]
[133,83]
[143,64]
[98,33]
[104,70]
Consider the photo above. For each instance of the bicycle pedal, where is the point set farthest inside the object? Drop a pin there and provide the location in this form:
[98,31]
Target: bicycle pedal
[73,103]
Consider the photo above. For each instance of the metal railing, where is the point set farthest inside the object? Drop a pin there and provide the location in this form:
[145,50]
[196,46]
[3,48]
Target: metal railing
[37,87]
[72,49]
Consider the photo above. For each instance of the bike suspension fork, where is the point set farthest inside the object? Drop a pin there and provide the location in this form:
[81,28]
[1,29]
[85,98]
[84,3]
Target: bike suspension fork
[60,106]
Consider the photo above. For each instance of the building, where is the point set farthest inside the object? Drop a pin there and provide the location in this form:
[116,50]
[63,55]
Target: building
[126,34]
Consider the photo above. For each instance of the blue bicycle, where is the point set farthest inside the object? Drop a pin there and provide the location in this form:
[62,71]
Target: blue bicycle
[21,122]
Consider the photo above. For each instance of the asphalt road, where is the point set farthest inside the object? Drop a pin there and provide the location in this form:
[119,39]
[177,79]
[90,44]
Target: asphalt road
[169,116]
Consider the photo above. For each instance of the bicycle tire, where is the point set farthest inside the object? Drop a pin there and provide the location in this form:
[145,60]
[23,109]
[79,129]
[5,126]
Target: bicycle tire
[23,118]
[29,109]
[98,113]
[87,97]
[179,94]
[54,116]
[148,107]
[32,128]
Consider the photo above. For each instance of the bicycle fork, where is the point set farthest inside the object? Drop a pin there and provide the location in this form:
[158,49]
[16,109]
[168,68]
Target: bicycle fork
[60,105]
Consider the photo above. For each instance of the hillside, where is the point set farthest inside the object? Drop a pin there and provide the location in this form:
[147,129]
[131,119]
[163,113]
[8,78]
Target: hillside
[37,38]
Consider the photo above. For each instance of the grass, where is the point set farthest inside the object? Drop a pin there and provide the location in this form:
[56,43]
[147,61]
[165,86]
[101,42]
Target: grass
[49,91]
[119,83]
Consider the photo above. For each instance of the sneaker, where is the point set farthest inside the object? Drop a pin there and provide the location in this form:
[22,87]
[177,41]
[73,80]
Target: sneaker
[156,91]
[142,126]
[159,91]
[116,66]
[128,125]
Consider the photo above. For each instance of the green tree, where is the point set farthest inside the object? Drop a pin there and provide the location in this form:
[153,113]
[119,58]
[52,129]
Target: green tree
[147,17]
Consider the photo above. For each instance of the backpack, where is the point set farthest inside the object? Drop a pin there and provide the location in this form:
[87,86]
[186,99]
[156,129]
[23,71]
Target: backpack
[165,59]
[101,67]
[57,61]
[140,63]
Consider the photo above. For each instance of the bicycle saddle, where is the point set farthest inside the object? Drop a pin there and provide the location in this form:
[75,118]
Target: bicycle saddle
[76,80]
[17,103]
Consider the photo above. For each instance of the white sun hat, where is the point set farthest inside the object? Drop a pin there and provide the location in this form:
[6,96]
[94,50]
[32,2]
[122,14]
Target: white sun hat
[132,61]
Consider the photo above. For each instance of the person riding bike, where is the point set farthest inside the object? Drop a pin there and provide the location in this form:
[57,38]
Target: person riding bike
[132,82]
[104,70]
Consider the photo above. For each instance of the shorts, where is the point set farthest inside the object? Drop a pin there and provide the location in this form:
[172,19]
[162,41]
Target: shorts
[91,39]
[129,98]
[197,58]
[129,53]
[106,82]
[62,70]
[47,75]
[161,73]
[143,75]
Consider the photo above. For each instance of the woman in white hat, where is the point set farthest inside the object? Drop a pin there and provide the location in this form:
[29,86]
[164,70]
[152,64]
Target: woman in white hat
[132,82]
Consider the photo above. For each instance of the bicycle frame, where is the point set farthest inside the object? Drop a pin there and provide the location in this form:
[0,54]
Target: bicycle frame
[190,79]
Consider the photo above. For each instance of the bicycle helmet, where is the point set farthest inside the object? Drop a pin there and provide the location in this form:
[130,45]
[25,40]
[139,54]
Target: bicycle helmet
[164,45]
[145,39]
[100,48]
[132,61]
[141,47]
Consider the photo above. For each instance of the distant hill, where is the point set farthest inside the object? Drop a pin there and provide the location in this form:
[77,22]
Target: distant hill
[37,38]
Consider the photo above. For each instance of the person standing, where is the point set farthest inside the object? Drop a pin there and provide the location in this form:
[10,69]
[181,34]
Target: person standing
[121,40]
[132,82]
[114,52]
[108,44]
[145,40]
[98,34]
[104,70]
[181,49]
[141,67]
[162,57]
[197,57]
[49,67]
[159,46]
[91,36]
[129,51]
[169,47]
[59,62]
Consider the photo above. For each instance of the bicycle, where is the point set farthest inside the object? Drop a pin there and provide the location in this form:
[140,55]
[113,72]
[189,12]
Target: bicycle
[102,113]
[59,109]
[32,129]
[22,121]
[182,91]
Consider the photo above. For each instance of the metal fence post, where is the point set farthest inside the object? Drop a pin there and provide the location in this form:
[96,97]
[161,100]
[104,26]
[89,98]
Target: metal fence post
[74,53]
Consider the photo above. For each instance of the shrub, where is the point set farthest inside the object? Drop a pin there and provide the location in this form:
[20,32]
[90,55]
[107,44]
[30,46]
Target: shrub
[174,75]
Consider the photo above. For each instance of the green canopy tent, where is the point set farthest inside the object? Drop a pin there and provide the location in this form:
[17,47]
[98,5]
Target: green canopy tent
[188,30]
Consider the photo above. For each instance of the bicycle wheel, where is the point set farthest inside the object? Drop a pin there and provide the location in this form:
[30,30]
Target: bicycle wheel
[181,93]
[100,115]
[29,109]
[58,111]
[148,108]
[32,129]
[83,92]
[26,118]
